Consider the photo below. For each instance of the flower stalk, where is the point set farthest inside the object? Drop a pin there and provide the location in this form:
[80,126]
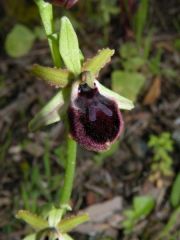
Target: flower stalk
[70,171]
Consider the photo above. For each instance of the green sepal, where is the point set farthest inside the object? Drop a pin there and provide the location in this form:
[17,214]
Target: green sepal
[49,113]
[30,237]
[69,46]
[35,221]
[95,64]
[123,103]
[54,76]
[67,237]
[68,224]
[88,77]
[54,217]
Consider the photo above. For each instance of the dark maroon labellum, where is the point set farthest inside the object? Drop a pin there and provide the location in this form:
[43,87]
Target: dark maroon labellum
[95,120]
[65,3]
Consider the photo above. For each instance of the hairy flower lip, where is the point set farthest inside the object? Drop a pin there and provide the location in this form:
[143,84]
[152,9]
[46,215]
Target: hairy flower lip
[94,119]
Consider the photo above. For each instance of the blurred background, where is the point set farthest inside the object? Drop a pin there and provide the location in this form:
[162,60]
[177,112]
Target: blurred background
[137,182]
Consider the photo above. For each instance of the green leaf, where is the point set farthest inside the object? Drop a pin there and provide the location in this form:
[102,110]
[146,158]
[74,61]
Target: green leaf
[19,41]
[175,192]
[33,220]
[67,237]
[68,224]
[128,84]
[54,76]
[30,237]
[123,103]
[143,205]
[46,12]
[69,46]
[95,64]
[140,19]
[49,113]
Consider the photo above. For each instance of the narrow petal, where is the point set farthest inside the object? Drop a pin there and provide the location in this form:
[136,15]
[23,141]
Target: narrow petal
[122,102]
[49,114]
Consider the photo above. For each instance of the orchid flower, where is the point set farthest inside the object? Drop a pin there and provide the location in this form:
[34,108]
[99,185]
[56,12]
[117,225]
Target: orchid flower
[92,110]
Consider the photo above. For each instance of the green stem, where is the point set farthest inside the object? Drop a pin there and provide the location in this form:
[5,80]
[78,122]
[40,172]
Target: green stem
[70,170]
[46,13]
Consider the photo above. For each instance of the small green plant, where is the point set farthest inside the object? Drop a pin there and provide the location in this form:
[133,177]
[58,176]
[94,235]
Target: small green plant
[142,207]
[162,146]
[131,62]
[19,41]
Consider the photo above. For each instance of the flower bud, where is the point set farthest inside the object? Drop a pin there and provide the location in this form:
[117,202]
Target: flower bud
[95,121]
[65,3]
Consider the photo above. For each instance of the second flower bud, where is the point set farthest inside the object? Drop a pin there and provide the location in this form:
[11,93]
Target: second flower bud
[62,3]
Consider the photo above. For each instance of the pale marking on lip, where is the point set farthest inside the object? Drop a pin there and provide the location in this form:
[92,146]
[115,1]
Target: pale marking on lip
[75,91]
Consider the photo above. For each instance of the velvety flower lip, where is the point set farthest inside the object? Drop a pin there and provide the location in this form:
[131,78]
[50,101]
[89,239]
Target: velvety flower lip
[95,121]
[65,3]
